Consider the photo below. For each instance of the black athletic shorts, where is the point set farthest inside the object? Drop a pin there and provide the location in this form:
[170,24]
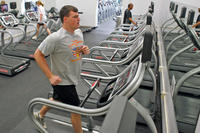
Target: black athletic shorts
[66,94]
[40,23]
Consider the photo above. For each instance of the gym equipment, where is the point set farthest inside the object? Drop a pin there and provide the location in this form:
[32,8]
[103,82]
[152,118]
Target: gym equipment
[127,88]
[21,47]
[10,65]
[13,6]
[188,63]
[184,73]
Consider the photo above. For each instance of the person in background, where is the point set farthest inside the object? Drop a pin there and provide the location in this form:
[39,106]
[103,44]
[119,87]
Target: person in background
[65,48]
[128,15]
[41,19]
[3,2]
[3,8]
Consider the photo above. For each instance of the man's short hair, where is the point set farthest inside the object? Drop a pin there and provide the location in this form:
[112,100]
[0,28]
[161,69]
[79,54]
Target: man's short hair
[65,10]
[130,4]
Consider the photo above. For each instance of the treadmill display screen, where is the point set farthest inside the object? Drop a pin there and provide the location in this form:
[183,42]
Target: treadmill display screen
[27,5]
[4,8]
[13,5]
[8,20]
[32,16]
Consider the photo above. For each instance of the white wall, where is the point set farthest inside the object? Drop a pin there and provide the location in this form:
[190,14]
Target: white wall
[189,7]
[88,7]
[49,3]
[195,3]
[17,1]
[140,6]
[161,11]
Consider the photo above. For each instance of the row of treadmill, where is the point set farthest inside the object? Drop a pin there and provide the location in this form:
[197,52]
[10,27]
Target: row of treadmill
[108,9]
[121,87]
[182,45]
[17,46]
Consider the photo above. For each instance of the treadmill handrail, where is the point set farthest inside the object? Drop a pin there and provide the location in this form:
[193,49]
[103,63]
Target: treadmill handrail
[109,77]
[139,28]
[193,36]
[130,89]
[169,124]
[123,43]
[132,54]
[190,32]
[18,28]
[29,24]
[183,78]
[143,112]
[197,129]
[3,41]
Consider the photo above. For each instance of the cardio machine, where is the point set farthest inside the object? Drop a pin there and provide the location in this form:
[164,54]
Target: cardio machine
[21,47]
[13,6]
[10,65]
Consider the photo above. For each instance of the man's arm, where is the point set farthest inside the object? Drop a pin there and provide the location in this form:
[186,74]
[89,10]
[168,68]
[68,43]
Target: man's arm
[132,21]
[195,25]
[42,63]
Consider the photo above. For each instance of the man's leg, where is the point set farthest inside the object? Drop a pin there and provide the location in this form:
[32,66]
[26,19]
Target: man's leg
[44,109]
[40,115]
[76,123]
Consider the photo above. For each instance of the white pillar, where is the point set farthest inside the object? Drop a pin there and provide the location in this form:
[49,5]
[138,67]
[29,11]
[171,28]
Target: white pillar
[161,11]
[18,4]
[195,3]
[49,3]
[88,7]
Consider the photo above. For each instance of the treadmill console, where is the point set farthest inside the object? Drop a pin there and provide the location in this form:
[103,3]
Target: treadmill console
[9,20]
[31,16]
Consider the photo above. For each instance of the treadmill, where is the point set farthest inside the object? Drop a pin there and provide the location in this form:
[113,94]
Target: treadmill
[183,64]
[21,47]
[10,65]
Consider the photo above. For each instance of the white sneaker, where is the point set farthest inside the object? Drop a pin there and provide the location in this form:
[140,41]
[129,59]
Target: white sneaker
[40,119]
[34,37]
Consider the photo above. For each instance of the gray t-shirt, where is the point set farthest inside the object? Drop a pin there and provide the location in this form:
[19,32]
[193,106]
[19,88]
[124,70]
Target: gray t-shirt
[65,62]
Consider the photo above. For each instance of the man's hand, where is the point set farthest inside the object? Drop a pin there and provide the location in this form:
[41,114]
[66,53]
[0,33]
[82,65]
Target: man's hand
[55,80]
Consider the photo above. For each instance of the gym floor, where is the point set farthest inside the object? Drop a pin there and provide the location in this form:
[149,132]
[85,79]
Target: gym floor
[18,90]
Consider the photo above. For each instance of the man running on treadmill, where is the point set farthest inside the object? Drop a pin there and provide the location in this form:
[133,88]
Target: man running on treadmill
[65,48]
